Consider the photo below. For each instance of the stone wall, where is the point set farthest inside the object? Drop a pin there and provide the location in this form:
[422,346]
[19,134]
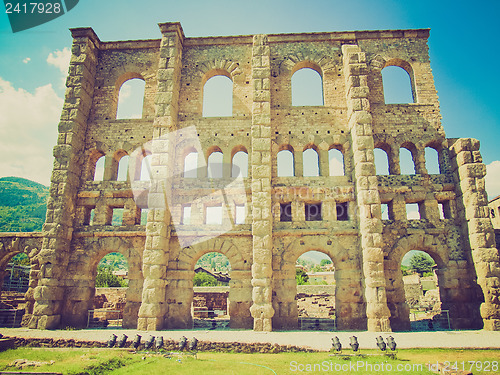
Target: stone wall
[365,249]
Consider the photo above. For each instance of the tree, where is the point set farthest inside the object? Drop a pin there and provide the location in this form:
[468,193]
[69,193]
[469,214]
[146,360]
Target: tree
[106,279]
[324,262]
[421,262]
[204,279]
[301,276]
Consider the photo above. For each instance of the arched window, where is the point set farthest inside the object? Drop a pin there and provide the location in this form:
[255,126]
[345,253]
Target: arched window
[240,164]
[381,161]
[215,165]
[131,99]
[99,169]
[431,160]
[336,162]
[123,168]
[310,160]
[406,161]
[397,85]
[191,165]
[218,97]
[307,88]
[146,168]
[285,163]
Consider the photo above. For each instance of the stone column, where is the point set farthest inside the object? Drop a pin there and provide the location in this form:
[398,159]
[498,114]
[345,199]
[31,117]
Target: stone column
[469,171]
[261,310]
[156,251]
[324,170]
[68,166]
[368,198]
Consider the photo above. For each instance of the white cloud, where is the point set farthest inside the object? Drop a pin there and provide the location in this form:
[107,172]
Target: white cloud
[60,59]
[493,179]
[28,130]
[27,60]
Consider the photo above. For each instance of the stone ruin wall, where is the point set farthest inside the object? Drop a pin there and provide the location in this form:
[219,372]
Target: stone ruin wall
[366,250]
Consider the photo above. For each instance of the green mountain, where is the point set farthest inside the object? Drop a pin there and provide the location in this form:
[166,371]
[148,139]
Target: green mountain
[23,204]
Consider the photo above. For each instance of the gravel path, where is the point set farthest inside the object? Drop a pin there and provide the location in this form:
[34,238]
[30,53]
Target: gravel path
[313,339]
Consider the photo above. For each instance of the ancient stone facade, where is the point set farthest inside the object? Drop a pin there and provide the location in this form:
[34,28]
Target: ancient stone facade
[365,249]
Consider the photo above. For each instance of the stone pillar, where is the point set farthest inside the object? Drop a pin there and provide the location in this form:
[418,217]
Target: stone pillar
[261,310]
[156,251]
[298,166]
[323,163]
[68,166]
[469,172]
[368,198]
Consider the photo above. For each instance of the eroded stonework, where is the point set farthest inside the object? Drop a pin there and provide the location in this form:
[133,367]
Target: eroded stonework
[365,249]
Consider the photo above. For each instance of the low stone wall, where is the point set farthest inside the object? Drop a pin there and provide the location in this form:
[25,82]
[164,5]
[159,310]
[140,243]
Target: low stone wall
[169,345]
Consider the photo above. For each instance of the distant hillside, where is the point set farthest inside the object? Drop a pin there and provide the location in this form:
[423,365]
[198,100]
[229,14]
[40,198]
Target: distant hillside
[23,204]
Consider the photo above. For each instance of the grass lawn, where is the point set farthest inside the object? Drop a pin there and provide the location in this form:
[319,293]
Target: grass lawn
[74,361]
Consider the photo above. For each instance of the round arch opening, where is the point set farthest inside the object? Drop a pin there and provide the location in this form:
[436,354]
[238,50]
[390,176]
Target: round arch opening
[315,278]
[210,305]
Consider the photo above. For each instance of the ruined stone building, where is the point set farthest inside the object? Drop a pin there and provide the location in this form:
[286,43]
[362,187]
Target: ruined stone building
[272,217]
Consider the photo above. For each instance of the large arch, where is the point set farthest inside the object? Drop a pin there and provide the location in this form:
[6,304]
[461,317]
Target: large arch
[12,245]
[179,291]
[349,305]
[81,288]
[455,282]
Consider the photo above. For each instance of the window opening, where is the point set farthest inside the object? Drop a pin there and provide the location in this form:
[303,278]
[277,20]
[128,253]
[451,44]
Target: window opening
[397,85]
[310,159]
[117,218]
[307,88]
[186,214]
[218,97]
[123,168]
[285,163]
[144,216]
[99,169]
[406,161]
[215,165]
[214,215]
[240,164]
[381,161]
[313,211]
[146,168]
[240,213]
[412,211]
[285,212]
[88,217]
[385,211]
[131,99]
[431,160]
[191,165]
[336,162]
[342,211]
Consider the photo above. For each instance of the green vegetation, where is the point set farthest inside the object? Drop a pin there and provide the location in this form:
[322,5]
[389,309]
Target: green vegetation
[324,262]
[21,260]
[106,279]
[78,361]
[214,262]
[114,261]
[23,205]
[421,263]
[301,276]
[204,279]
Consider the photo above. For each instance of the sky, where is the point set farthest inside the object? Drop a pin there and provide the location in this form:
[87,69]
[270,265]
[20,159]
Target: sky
[33,63]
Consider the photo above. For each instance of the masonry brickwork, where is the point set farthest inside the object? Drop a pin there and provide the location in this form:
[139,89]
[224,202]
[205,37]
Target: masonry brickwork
[366,250]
